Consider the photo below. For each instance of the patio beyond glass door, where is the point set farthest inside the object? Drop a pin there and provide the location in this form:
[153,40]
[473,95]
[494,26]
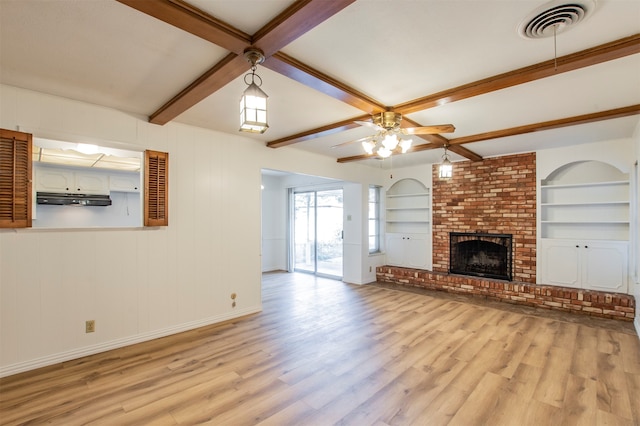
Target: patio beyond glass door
[317,228]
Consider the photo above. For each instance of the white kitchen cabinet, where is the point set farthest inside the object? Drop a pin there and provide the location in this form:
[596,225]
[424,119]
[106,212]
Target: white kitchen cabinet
[589,264]
[124,182]
[63,180]
[408,224]
[54,180]
[91,183]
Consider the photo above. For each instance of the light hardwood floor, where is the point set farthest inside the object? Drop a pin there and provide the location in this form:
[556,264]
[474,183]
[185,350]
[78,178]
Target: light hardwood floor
[323,352]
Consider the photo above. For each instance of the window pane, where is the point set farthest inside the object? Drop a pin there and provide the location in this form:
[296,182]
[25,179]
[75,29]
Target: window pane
[374,219]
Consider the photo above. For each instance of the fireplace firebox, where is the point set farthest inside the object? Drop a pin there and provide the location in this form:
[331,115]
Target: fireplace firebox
[482,255]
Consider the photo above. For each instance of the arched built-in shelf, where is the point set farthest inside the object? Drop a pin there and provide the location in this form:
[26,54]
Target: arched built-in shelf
[408,224]
[584,222]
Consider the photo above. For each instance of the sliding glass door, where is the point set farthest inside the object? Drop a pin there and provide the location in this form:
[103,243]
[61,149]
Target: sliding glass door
[317,232]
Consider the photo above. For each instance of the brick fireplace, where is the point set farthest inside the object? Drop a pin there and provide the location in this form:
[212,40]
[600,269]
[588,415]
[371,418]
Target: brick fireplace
[493,196]
[498,196]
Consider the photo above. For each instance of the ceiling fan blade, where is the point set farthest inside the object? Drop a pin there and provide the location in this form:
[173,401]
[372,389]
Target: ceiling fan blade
[340,145]
[368,124]
[429,130]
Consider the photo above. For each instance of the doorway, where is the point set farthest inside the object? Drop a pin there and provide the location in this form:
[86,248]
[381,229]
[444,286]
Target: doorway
[317,232]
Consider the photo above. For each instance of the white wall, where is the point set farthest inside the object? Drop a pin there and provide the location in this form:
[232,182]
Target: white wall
[139,283]
[274,224]
[636,242]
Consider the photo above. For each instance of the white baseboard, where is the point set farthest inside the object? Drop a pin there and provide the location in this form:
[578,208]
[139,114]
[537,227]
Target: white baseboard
[32,364]
[636,322]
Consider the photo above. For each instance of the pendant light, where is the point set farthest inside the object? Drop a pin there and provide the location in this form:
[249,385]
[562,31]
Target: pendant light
[253,103]
[445,171]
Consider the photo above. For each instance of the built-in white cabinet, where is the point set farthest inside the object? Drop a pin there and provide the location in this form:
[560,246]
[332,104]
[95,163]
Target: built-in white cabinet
[50,179]
[410,250]
[584,220]
[591,264]
[408,224]
[124,182]
[99,181]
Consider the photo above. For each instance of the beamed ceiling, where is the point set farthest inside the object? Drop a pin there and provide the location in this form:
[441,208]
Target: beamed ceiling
[329,63]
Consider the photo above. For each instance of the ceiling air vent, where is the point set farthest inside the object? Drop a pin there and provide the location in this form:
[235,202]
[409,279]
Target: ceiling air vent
[555,17]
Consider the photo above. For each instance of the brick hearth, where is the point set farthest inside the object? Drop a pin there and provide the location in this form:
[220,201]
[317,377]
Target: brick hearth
[595,303]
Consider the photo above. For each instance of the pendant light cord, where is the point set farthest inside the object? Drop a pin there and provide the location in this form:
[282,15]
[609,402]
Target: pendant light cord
[555,49]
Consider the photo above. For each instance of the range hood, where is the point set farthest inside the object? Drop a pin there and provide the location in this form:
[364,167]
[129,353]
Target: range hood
[59,199]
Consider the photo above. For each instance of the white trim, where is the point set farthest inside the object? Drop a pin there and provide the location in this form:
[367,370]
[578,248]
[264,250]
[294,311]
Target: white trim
[636,322]
[118,343]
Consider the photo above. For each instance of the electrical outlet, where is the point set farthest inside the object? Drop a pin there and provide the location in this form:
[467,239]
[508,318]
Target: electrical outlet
[369,268]
[90,326]
[233,297]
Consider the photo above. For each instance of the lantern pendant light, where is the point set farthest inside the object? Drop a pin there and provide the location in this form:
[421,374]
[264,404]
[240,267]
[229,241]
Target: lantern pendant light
[445,171]
[253,103]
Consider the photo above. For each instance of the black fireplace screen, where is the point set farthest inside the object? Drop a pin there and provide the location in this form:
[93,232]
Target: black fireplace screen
[482,255]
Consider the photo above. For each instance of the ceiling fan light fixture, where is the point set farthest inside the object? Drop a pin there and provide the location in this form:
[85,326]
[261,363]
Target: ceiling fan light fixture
[384,152]
[405,144]
[368,146]
[390,142]
[253,103]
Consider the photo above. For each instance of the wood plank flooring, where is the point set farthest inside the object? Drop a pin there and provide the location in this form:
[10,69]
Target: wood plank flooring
[323,352]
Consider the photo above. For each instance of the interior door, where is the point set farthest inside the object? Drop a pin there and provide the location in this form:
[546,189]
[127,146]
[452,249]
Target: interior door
[318,232]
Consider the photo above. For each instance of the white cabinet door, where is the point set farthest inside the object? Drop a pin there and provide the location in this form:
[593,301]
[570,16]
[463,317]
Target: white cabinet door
[124,183]
[560,262]
[588,264]
[395,249]
[91,183]
[416,251]
[409,250]
[54,180]
[605,266]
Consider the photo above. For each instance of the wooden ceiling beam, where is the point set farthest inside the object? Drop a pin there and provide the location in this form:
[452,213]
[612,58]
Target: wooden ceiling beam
[194,21]
[225,71]
[296,70]
[455,145]
[316,133]
[300,17]
[602,53]
[548,125]
[464,152]
[296,20]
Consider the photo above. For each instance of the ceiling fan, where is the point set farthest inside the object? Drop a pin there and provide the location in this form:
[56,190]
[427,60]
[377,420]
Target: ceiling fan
[390,137]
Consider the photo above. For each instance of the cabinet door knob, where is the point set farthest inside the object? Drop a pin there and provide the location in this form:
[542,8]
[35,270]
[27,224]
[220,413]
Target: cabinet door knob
[586,246]
[577,246]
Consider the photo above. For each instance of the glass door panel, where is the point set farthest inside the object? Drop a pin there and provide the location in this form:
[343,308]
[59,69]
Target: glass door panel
[329,232]
[317,239]
[304,247]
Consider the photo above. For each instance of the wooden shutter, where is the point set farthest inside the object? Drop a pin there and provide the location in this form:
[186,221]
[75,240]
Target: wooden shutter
[15,179]
[156,189]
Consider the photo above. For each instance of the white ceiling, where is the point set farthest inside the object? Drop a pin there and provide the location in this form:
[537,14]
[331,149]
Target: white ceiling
[394,51]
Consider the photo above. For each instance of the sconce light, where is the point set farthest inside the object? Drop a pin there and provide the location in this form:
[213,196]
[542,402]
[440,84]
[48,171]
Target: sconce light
[253,103]
[445,170]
